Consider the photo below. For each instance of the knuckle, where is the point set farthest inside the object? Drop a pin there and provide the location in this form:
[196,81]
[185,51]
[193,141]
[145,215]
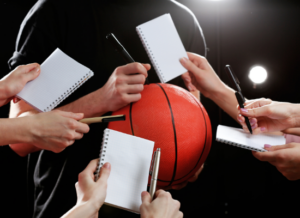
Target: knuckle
[118,70]
[69,136]
[180,214]
[124,99]
[71,124]
[177,204]
[120,80]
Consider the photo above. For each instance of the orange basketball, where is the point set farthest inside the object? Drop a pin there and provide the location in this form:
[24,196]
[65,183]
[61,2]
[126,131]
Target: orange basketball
[178,124]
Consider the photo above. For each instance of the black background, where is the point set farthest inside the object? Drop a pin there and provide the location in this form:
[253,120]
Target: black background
[242,33]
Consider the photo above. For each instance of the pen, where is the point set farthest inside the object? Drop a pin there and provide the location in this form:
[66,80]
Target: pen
[238,94]
[154,174]
[121,50]
[103,119]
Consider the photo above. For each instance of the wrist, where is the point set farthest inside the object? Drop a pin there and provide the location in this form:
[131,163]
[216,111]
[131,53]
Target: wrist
[88,207]
[3,90]
[221,93]
[100,106]
[296,114]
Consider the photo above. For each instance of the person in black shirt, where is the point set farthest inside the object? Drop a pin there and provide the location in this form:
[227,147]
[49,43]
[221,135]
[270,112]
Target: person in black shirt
[79,28]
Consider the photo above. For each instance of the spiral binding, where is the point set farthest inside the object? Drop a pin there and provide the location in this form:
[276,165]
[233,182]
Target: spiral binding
[239,145]
[68,92]
[102,153]
[150,55]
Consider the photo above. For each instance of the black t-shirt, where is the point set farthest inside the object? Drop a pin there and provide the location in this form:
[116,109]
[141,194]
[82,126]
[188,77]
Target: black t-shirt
[79,28]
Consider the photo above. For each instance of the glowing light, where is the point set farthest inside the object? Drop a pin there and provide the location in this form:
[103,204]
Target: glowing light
[258,74]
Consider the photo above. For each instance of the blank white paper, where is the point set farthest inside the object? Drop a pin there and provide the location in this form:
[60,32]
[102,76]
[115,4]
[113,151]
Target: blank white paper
[60,76]
[164,47]
[130,159]
[238,137]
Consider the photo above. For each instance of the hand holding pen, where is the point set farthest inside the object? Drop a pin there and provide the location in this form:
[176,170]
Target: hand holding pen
[239,96]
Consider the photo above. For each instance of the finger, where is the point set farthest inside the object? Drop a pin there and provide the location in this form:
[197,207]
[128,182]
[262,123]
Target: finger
[146,198]
[134,89]
[76,116]
[159,192]
[88,173]
[78,135]
[277,147]
[190,66]
[133,68]
[257,103]
[147,66]
[104,173]
[30,72]
[265,156]
[133,97]
[135,79]
[82,128]
[256,112]
[199,60]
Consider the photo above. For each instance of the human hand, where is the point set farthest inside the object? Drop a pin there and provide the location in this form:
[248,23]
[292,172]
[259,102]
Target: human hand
[91,192]
[163,206]
[286,158]
[192,179]
[266,115]
[54,130]
[14,82]
[124,86]
[201,74]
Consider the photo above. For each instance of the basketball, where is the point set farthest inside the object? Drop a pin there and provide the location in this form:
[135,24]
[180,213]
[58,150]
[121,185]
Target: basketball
[178,124]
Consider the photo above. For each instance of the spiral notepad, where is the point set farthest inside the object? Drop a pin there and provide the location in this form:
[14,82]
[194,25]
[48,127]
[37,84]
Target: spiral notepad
[238,137]
[130,159]
[60,76]
[163,46]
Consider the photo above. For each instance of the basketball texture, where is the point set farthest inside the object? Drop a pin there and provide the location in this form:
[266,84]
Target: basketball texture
[178,124]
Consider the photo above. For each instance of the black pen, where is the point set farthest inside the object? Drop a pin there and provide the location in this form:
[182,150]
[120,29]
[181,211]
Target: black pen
[239,96]
[120,48]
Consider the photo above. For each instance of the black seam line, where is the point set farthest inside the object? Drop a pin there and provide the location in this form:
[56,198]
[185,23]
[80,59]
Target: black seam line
[175,137]
[202,150]
[130,117]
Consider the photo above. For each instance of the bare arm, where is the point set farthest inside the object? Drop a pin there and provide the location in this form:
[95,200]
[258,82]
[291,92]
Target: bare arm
[122,88]
[202,76]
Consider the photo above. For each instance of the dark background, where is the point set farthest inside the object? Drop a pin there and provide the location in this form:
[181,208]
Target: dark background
[242,33]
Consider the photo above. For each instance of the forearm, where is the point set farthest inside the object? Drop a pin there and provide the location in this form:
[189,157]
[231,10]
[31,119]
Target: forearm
[85,210]
[13,131]
[91,105]
[226,100]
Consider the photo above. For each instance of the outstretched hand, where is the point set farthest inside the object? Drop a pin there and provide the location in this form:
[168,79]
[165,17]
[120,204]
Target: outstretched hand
[286,158]
[14,82]
[266,115]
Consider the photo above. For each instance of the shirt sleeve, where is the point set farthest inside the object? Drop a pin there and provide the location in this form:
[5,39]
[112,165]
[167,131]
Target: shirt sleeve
[38,35]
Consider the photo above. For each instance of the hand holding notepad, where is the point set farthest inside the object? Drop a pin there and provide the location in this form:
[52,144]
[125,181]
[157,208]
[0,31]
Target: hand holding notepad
[60,76]
[238,137]
[163,46]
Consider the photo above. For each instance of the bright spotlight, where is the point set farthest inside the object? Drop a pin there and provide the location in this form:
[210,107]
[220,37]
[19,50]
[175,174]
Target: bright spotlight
[258,74]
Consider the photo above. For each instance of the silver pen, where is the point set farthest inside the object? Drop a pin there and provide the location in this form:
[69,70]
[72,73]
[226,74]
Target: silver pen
[154,174]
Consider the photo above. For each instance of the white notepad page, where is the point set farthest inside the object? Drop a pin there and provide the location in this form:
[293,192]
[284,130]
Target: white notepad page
[60,76]
[130,159]
[164,47]
[238,137]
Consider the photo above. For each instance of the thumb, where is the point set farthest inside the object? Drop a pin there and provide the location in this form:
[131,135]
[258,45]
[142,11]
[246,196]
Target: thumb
[30,71]
[104,173]
[146,199]
[277,147]
[76,116]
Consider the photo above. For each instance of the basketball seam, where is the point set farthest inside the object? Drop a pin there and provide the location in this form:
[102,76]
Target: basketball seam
[175,136]
[202,150]
[130,117]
